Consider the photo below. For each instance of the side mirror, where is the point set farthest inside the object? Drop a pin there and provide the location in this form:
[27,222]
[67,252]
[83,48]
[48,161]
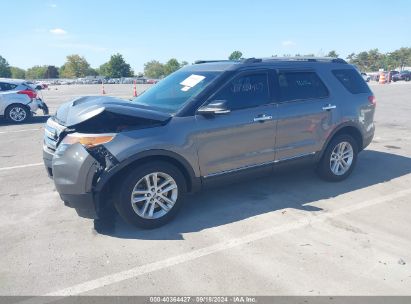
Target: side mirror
[215,107]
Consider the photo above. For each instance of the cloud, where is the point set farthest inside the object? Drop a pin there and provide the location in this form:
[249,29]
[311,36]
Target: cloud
[288,43]
[58,31]
[53,5]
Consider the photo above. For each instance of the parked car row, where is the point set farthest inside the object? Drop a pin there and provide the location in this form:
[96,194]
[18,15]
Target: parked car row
[129,80]
[391,76]
[403,75]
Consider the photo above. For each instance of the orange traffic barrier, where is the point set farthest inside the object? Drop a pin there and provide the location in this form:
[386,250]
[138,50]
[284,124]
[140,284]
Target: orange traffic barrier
[382,78]
[135,89]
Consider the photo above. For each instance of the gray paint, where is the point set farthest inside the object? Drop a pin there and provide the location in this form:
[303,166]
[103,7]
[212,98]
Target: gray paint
[227,142]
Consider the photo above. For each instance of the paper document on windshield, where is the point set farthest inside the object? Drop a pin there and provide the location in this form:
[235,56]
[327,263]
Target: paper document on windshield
[191,81]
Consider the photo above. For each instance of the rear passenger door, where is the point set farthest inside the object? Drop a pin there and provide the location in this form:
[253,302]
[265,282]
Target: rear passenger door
[306,114]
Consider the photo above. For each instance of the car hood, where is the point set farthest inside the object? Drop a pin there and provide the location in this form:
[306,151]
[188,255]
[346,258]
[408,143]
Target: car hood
[83,109]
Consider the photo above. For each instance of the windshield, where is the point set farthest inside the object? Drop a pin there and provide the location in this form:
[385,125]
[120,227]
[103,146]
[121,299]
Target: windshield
[171,93]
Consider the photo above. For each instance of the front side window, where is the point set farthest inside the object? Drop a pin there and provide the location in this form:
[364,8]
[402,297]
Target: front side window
[300,85]
[173,92]
[245,92]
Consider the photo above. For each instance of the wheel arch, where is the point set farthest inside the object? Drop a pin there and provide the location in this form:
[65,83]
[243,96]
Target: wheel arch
[16,104]
[112,178]
[7,107]
[349,128]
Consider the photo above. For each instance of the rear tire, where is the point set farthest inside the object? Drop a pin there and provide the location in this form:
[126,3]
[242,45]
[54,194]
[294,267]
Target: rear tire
[17,113]
[339,159]
[143,200]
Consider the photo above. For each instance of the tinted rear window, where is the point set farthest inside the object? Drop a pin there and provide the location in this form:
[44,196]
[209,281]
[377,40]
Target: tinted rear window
[7,86]
[351,80]
[300,85]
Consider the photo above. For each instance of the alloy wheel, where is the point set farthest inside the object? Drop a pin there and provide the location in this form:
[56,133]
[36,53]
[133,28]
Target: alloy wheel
[154,195]
[341,158]
[17,114]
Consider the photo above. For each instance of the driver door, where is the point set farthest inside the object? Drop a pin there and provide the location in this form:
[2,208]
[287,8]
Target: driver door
[245,137]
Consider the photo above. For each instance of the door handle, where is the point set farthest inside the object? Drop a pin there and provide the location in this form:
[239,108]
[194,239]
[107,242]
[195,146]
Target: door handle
[329,107]
[262,118]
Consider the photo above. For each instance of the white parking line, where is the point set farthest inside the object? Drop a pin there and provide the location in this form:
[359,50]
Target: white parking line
[17,131]
[196,254]
[21,166]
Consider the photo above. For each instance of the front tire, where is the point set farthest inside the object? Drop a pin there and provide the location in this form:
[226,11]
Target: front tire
[151,195]
[17,113]
[339,159]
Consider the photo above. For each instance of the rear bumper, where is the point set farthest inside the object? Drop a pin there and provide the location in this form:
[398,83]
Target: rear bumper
[367,140]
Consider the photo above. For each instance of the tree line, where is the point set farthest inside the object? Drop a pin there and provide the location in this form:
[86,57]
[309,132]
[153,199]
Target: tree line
[76,66]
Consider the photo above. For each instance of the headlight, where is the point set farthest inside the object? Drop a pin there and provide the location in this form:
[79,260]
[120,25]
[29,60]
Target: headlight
[87,140]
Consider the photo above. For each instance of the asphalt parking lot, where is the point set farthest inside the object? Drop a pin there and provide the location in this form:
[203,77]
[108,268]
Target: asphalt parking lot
[287,234]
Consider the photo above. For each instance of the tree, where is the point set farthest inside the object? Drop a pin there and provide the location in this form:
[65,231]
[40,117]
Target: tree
[51,72]
[402,57]
[75,66]
[103,70]
[4,68]
[154,69]
[92,72]
[17,73]
[116,67]
[171,66]
[36,72]
[368,61]
[236,55]
[333,54]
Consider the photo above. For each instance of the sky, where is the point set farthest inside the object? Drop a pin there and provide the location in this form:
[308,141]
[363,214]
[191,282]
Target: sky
[44,32]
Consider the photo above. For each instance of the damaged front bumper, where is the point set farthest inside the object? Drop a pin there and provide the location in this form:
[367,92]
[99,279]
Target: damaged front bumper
[74,172]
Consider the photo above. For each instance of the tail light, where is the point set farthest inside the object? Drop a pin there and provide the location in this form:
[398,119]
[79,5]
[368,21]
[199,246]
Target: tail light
[30,93]
[372,100]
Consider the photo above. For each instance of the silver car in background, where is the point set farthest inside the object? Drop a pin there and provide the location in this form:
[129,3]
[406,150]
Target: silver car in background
[19,100]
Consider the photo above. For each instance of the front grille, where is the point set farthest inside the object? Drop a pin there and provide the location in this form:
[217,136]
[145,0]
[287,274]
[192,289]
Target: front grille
[52,132]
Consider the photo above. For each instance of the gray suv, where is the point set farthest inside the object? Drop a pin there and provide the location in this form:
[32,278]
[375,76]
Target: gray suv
[208,123]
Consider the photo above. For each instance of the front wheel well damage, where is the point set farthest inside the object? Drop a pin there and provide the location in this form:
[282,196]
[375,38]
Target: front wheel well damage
[107,194]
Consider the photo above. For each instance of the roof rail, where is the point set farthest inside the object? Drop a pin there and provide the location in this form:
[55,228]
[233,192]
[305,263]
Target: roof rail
[210,61]
[309,59]
[298,58]
[251,60]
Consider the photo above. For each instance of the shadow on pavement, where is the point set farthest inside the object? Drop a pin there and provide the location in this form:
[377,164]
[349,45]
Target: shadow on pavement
[295,188]
[32,121]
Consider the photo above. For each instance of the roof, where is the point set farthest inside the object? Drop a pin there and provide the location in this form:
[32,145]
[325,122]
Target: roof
[11,80]
[221,65]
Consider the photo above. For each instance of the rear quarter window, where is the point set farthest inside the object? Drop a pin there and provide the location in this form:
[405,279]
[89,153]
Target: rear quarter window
[351,80]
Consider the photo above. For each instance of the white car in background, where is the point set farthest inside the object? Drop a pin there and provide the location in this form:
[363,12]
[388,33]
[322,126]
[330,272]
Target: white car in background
[366,77]
[19,100]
